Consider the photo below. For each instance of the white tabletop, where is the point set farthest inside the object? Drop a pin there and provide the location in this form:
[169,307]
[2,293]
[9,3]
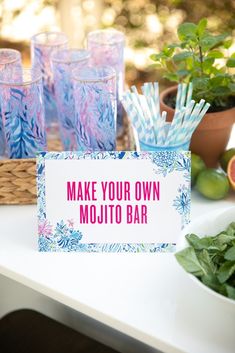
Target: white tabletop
[146,296]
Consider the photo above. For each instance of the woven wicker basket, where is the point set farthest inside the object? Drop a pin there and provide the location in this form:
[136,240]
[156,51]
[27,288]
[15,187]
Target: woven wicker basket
[18,176]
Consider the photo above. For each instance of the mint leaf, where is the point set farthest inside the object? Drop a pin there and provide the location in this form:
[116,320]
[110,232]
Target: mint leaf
[199,243]
[211,281]
[230,254]
[226,271]
[187,30]
[231,229]
[182,56]
[216,54]
[230,291]
[206,262]
[187,258]
[201,26]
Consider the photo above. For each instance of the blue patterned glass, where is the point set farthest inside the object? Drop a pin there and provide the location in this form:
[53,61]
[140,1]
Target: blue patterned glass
[43,45]
[9,58]
[95,108]
[107,48]
[22,112]
[63,63]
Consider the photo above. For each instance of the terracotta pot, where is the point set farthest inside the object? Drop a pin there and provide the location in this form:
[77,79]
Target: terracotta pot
[211,137]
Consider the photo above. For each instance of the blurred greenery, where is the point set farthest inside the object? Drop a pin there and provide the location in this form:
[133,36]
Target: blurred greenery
[148,24]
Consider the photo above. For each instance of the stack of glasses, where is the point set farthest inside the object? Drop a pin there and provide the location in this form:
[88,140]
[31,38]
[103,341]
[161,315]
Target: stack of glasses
[79,90]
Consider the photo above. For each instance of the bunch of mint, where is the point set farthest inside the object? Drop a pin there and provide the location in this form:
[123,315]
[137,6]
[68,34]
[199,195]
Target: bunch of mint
[212,260]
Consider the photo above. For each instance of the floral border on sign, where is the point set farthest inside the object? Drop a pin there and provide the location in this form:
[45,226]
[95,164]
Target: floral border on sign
[64,237]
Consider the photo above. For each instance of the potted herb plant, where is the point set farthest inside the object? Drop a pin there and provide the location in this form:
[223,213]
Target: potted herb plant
[203,59]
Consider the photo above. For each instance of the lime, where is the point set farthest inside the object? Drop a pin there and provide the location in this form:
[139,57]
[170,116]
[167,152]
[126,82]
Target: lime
[225,158]
[197,165]
[212,184]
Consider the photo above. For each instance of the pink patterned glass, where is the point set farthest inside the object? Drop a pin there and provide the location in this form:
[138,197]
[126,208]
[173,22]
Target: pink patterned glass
[43,45]
[9,58]
[107,48]
[63,62]
[22,112]
[95,108]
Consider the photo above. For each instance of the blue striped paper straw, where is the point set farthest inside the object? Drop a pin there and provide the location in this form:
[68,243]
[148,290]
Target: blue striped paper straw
[135,100]
[187,125]
[145,115]
[148,119]
[152,91]
[146,89]
[183,95]
[189,94]
[156,98]
[175,125]
[198,120]
[178,98]
[137,97]
[161,137]
[133,115]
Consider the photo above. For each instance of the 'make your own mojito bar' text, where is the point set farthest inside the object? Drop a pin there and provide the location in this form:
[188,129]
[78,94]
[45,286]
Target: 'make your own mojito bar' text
[107,202]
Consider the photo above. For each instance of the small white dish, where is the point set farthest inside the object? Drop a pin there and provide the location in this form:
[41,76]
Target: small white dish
[210,224]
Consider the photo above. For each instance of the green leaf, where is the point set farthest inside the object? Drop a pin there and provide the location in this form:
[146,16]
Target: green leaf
[168,51]
[215,54]
[230,291]
[232,87]
[230,254]
[170,66]
[182,56]
[211,281]
[183,72]
[208,63]
[187,30]
[155,66]
[187,258]
[171,77]
[231,62]
[228,43]
[199,243]
[223,239]
[200,83]
[157,57]
[221,91]
[231,230]
[226,271]
[201,26]
[233,55]
[174,45]
[220,79]
[209,42]
[206,262]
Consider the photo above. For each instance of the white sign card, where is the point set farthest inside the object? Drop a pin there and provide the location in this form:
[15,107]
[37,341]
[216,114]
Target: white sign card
[112,201]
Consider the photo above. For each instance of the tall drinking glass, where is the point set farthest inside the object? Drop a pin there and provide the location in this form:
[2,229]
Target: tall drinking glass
[107,48]
[43,45]
[95,108]
[9,58]
[22,112]
[63,63]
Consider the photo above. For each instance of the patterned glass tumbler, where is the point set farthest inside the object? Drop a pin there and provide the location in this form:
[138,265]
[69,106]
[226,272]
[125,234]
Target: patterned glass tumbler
[22,112]
[63,63]
[43,45]
[9,58]
[95,108]
[107,48]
